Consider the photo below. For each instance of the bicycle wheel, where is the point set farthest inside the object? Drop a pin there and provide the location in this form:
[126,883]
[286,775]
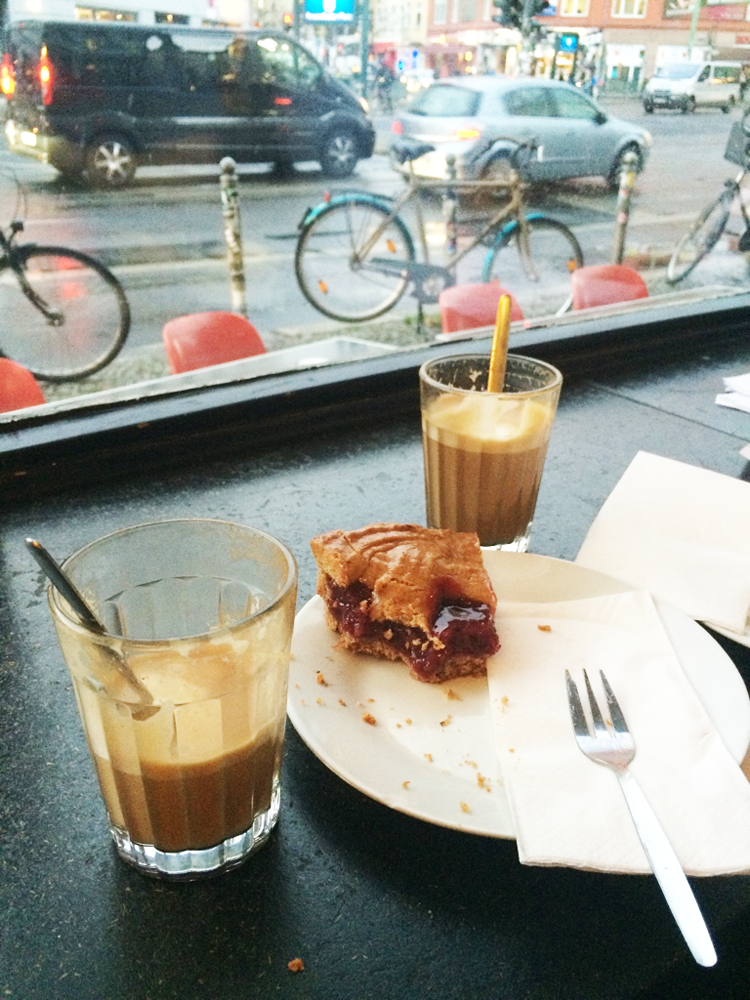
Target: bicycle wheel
[701,238]
[89,320]
[330,268]
[554,253]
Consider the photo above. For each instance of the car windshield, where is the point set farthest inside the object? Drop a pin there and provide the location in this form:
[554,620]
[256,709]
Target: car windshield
[446,101]
[677,71]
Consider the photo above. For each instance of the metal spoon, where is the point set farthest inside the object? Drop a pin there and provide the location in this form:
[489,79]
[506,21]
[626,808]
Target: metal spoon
[58,578]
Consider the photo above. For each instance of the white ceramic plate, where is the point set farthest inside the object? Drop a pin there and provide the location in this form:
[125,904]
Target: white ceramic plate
[430,752]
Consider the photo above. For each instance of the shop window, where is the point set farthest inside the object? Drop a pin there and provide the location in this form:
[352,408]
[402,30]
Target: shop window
[440,11]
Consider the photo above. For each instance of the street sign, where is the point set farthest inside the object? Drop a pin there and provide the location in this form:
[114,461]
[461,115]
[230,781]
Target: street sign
[329,10]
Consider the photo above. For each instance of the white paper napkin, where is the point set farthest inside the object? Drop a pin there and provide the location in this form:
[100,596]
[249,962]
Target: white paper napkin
[570,811]
[681,532]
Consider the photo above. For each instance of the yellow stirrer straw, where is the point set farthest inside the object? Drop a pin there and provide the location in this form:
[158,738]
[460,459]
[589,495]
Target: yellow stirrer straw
[499,353]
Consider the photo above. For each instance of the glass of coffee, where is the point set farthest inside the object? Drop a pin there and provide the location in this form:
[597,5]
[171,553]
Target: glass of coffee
[484,451]
[183,693]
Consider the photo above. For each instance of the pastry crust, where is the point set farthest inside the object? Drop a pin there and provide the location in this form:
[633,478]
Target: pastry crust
[408,574]
[402,564]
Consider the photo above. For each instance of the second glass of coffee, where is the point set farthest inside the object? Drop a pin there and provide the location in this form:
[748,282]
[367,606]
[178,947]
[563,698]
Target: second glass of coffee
[484,451]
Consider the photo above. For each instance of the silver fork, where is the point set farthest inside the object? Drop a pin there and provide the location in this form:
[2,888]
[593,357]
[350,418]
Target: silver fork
[613,746]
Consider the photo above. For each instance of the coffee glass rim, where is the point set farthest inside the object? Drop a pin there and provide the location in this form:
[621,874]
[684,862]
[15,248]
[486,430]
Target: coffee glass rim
[555,381]
[59,607]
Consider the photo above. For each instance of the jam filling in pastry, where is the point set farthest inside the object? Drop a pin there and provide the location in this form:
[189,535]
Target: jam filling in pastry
[404,592]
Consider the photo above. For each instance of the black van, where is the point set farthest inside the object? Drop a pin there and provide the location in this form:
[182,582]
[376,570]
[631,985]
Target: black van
[97,99]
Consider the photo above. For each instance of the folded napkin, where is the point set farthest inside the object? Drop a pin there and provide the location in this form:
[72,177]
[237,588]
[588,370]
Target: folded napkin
[570,811]
[737,395]
[681,532]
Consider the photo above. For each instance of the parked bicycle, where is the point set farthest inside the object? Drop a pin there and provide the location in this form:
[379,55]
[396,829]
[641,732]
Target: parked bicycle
[63,314]
[356,255]
[708,228]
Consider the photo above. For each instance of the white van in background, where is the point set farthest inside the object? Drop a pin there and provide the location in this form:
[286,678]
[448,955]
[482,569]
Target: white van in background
[689,85]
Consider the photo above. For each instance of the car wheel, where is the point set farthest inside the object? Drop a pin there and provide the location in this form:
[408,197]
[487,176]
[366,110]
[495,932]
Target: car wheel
[613,178]
[499,170]
[648,107]
[110,161]
[726,108]
[688,105]
[339,155]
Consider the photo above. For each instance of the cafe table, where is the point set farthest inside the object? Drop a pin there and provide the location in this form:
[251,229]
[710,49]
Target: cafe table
[376,903]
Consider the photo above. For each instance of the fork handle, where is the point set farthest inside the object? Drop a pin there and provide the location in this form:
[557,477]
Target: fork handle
[668,871]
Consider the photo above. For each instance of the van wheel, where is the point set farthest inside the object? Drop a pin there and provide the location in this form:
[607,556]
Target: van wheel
[648,107]
[726,108]
[110,162]
[688,105]
[339,155]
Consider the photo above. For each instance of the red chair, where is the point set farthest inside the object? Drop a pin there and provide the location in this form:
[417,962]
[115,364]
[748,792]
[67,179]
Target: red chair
[602,284]
[18,387]
[200,340]
[467,307]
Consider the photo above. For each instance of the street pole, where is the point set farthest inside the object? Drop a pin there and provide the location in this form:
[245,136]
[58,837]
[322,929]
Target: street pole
[697,4]
[364,33]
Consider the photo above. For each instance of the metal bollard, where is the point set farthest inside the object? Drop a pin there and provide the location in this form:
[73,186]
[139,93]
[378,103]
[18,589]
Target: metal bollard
[627,183]
[230,209]
[450,207]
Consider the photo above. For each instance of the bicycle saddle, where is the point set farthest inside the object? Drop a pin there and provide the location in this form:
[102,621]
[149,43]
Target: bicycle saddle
[405,150]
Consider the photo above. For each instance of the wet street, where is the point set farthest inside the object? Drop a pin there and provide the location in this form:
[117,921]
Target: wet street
[163,235]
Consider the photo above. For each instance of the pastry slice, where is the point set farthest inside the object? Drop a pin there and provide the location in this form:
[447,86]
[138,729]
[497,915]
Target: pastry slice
[421,595]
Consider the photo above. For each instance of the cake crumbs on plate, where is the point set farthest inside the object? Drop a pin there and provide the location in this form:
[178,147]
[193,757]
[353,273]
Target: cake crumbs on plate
[483,782]
[318,701]
[342,702]
[296,965]
[369,719]
[451,695]
[428,756]
[471,763]
[320,679]
[408,722]
[405,784]
[464,807]
[544,628]
[446,721]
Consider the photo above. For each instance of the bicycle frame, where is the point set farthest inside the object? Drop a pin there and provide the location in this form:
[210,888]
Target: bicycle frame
[421,271]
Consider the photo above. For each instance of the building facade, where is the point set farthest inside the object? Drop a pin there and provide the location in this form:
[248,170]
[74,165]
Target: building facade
[619,42]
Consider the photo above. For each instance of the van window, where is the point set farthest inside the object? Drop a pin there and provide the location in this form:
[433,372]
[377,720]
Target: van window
[283,64]
[726,74]
[676,71]
[705,73]
[210,61]
[102,58]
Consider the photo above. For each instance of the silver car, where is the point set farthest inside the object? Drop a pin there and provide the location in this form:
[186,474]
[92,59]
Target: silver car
[472,116]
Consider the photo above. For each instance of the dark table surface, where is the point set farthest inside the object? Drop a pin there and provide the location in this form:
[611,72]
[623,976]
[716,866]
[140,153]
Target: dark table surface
[377,904]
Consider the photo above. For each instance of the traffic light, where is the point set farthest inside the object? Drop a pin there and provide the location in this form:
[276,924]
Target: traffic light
[287,21]
[511,13]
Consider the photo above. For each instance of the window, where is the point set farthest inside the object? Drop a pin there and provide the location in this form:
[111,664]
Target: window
[628,8]
[211,62]
[446,102]
[574,8]
[283,63]
[568,104]
[529,101]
